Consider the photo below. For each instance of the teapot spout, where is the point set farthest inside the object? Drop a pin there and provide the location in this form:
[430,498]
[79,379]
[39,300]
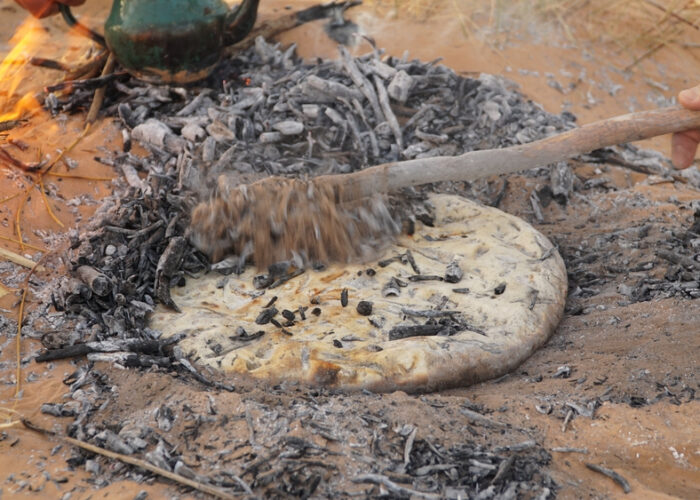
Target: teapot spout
[239,22]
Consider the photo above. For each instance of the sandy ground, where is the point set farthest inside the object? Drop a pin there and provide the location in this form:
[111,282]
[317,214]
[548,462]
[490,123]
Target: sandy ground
[617,352]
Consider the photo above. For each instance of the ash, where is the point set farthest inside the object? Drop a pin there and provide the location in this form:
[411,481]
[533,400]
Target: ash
[266,112]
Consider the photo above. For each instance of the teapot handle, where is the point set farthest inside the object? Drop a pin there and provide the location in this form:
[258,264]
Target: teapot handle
[71,21]
[239,22]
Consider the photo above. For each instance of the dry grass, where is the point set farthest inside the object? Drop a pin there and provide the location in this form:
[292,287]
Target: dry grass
[636,28]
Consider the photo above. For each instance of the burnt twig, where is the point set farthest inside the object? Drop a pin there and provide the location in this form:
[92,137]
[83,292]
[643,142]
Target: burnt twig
[202,379]
[168,264]
[680,260]
[87,83]
[216,492]
[131,345]
[10,124]
[380,480]
[568,449]
[481,419]
[624,484]
[402,332]
[100,92]
[98,282]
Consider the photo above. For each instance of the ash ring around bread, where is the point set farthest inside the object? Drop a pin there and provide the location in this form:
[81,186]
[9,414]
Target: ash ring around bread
[464,301]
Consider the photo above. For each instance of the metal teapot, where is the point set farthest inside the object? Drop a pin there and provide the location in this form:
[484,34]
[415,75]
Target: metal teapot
[170,41]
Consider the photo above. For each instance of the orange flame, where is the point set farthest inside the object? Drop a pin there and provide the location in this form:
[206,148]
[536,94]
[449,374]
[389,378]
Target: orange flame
[29,38]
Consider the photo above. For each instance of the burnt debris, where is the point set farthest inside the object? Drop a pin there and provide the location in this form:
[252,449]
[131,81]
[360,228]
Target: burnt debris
[266,112]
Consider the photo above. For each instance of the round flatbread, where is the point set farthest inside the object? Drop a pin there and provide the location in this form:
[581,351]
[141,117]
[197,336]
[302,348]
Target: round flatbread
[463,301]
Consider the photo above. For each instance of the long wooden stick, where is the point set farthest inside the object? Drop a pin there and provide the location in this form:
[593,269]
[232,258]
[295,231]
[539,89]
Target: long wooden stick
[479,164]
[216,492]
[100,92]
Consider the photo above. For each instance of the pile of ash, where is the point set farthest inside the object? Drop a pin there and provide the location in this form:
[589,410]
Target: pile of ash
[266,112]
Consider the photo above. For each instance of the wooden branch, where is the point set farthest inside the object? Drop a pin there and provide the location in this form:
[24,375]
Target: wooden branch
[486,163]
[216,492]
[393,487]
[100,92]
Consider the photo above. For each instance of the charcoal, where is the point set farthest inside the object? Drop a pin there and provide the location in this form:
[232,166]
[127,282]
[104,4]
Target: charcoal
[392,288]
[132,176]
[289,127]
[160,457]
[157,133]
[114,443]
[400,86]
[92,467]
[168,265]
[364,307]
[97,281]
[263,281]
[165,418]
[209,149]
[58,410]
[270,137]
[562,181]
[402,332]
[454,273]
[311,110]
[362,83]
[193,132]
[384,71]
[266,315]
[220,132]
[313,85]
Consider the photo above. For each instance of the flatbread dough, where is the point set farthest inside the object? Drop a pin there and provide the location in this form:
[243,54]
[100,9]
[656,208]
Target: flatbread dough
[507,303]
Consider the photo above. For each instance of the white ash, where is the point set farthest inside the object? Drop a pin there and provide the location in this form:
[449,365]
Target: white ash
[266,112]
[318,111]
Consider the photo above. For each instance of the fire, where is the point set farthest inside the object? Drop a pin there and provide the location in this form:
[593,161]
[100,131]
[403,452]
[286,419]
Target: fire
[29,38]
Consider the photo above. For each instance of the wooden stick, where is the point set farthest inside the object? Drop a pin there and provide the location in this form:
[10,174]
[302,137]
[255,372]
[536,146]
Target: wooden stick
[319,225]
[100,92]
[85,83]
[216,492]
[89,68]
[10,124]
[393,487]
[480,164]
[18,259]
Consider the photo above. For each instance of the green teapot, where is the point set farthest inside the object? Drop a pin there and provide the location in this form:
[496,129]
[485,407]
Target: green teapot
[171,41]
